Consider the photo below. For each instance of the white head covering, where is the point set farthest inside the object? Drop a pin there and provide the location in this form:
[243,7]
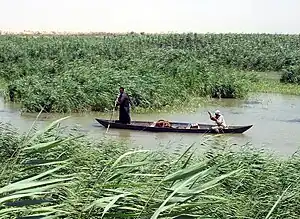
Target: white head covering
[217,112]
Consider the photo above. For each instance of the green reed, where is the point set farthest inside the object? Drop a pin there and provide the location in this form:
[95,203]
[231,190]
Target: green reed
[52,173]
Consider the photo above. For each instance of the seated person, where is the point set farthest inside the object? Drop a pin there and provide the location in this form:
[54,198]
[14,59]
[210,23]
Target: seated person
[219,119]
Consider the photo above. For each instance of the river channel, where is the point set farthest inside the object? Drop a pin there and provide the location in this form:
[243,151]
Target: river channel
[275,119]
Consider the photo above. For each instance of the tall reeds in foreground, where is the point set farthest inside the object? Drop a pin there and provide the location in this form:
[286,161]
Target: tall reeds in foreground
[38,180]
[180,191]
[49,174]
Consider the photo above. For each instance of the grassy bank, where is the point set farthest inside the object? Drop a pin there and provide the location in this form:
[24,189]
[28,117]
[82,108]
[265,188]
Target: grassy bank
[270,83]
[83,73]
[273,86]
[50,173]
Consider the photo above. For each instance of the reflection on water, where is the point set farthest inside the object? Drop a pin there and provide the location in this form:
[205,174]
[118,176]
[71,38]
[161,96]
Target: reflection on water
[275,118]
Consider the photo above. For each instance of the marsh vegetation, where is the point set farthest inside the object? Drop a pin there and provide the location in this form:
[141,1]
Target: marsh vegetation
[83,73]
[50,173]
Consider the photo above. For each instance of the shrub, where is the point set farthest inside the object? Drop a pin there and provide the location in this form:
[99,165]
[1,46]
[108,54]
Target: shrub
[291,75]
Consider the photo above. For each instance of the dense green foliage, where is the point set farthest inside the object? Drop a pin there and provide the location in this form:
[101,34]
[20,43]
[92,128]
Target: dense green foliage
[75,73]
[291,75]
[53,173]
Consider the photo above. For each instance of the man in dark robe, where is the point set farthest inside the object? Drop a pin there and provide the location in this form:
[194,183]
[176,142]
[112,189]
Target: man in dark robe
[123,102]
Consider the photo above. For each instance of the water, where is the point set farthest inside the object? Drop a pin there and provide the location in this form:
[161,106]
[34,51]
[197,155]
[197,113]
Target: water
[275,118]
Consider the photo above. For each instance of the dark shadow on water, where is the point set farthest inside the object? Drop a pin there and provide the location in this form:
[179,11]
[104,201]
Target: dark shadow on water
[291,120]
[251,102]
[237,113]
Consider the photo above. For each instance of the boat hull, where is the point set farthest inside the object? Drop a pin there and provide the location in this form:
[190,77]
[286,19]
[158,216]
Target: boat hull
[178,127]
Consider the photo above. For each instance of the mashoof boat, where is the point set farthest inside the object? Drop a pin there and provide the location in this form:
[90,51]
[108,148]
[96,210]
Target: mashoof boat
[166,126]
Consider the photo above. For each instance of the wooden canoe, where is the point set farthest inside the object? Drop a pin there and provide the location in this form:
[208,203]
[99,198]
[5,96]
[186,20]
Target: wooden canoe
[175,127]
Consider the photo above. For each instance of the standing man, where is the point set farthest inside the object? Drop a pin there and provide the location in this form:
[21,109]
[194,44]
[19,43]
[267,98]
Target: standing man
[123,102]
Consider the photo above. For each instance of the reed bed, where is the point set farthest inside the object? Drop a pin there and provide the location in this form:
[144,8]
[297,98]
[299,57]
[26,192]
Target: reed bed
[51,173]
[82,73]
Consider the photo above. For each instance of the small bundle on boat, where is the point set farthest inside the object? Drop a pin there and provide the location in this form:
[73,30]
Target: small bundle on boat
[161,124]
[166,124]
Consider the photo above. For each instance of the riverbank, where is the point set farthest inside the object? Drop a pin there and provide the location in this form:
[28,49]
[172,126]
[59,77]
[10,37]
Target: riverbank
[106,178]
[273,86]
[190,103]
[269,82]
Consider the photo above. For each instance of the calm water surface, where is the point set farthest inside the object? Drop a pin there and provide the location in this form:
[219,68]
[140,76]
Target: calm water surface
[276,120]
